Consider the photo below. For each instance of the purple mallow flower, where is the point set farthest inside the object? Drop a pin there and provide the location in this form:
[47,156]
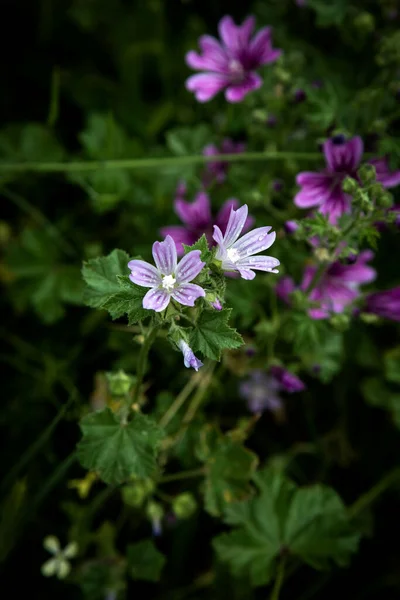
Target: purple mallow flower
[385,304]
[197,219]
[189,359]
[168,279]
[262,391]
[324,189]
[230,65]
[216,171]
[236,254]
[336,289]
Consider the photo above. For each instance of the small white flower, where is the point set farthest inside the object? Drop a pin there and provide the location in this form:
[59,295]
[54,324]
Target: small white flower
[58,565]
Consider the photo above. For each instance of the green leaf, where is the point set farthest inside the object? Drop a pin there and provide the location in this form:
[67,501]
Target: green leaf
[311,523]
[117,450]
[41,279]
[103,138]
[391,363]
[202,245]
[377,393]
[129,301]
[229,470]
[212,334]
[188,140]
[100,275]
[317,528]
[145,562]
[30,142]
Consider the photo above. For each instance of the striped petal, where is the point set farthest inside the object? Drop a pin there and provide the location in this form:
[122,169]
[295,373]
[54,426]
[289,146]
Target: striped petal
[165,257]
[235,225]
[187,293]
[156,299]
[189,267]
[144,274]
[255,241]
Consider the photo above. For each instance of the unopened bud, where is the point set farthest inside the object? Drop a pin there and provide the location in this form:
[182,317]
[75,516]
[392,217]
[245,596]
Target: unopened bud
[340,322]
[367,173]
[184,505]
[349,185]
[385,200]
[119,383]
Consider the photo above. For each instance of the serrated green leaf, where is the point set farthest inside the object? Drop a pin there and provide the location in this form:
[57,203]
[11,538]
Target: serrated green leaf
[311,523]
[116,450]
[212,334]
[317,528]
[188,140]
[129,301]
[145,562]
[100,275]
[229,469]
[104,138]
[202,245]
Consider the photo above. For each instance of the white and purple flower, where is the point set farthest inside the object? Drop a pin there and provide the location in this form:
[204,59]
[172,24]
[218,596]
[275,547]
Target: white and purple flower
[337,288]
[189,358]
[237,254]
[168,279]
[324,189]
[231,64]
[198,219]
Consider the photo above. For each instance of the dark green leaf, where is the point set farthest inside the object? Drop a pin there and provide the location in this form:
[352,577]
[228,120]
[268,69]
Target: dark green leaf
[129,301]
[145,562]
[100,275]
[212,334]
[201,245]
[117,450]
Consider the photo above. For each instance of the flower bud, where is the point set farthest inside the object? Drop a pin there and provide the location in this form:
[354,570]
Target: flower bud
[367,173]
[349,185]
[385,200]
[184,505]
[119,383]
[364,22]
[135,493]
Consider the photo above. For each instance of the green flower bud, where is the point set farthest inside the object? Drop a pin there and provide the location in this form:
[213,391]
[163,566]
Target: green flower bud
[119,383]
[349,185]
[134,494]
[368,318]
[376,190]
[362,199]
[385,200]
[340,322]
[260,115]
[364,22]
[184,505]
[154,511]
[367,173]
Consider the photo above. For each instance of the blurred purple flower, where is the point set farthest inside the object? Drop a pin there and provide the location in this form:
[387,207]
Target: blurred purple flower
[230,65]
[217,305]
[337,288]
[299,96]
[287,380]
[262,390]
[216,171]
[168,279]
[272,121]
[189,359]
[290,226]
[197,219]
[324,189]
[385,304]
[237,254]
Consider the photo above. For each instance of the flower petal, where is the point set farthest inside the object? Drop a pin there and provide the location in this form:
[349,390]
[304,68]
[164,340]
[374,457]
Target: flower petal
[235,92]
[260,263]
[187,293]
[50,567]
[260,49]
[196,214]
[214,57]
[189,267]
[156,299]
[51,544]
[206,85]
[164,254]
[255,241]
[144,274]
[284,288]
[383,174]
[235,38]
[344,156]
[236,222]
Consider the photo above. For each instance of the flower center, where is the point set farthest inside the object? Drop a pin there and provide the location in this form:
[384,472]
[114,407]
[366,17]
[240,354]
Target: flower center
[233,254]
[236,69]
[168,282]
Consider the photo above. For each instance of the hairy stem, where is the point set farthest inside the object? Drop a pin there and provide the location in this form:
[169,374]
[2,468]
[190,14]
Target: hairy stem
[142,360]
[154,162]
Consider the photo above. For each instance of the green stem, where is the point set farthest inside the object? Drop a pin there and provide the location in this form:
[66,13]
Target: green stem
[278,580]
[183,475]
[369,497]
[153,162]
[179,401]
[142,360]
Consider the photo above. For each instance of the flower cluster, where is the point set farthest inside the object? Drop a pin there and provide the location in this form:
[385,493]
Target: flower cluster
[262,391]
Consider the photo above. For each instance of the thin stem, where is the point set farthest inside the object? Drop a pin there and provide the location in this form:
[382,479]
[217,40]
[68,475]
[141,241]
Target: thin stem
[183,475]
[369,497]
[142,360]
[153,162]
[179,401]
[54,97]
[278,580]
